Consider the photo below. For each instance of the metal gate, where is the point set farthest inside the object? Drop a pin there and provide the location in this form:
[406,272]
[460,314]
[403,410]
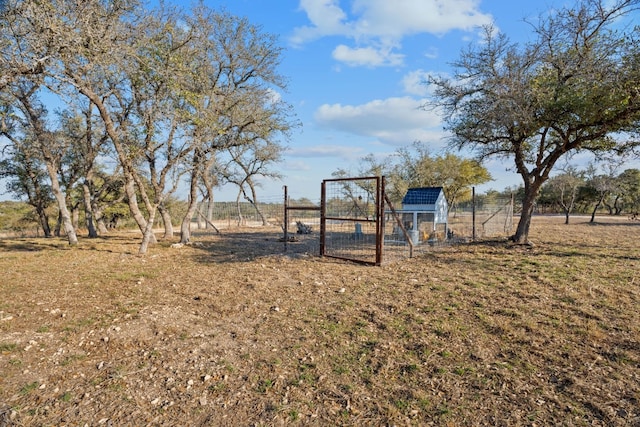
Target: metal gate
[352,219]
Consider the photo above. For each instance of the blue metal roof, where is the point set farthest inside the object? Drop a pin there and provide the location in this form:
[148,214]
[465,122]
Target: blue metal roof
[422,196]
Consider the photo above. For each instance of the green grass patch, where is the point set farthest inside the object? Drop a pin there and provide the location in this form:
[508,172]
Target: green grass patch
[265,385]
[8,347]
[28,388]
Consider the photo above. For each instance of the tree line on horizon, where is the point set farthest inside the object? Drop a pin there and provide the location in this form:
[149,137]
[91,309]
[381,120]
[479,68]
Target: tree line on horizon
[597,188]
[572,192]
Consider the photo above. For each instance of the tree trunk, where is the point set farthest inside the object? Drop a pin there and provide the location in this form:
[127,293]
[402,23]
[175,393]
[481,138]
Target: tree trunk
[254,202]
[210,210]
[609,207]
[88,214]
[568,207]
[132,198]
[58,227]
[102,227]
[100,224]
[147,235]
[75,216]
[240,217]
[65,217]
[98,214]
[528,205]
[185,227]
[166,219]
[202,224]
[595,209]
[37,201]
[44,221]
[617,206]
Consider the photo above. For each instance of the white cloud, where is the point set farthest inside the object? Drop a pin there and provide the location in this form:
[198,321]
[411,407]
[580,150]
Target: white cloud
[366,56]
[326,18]
[327,150]
[416,82]
[273,96]
[387,19]
[383,24]
[396,19]
[393,121]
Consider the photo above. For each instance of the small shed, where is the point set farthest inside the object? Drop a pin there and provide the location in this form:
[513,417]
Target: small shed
[424,214]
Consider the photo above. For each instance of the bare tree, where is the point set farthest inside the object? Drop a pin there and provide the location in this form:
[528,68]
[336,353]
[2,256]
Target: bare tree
[171,89]
[51,147]
[100,52]
[158,94]
[564,189]
[232,79]
[92,47]
[248,162]
[26,176]
[599,186]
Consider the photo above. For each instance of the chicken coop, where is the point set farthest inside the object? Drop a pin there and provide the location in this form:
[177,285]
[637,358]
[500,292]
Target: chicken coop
[424,215]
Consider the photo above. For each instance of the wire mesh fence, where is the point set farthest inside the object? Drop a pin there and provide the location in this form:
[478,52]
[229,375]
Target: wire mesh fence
[488,220]
[233,215]
[351,219]
[465,224]
[350,227]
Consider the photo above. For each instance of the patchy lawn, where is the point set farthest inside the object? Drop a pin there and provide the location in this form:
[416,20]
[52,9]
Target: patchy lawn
[231,331]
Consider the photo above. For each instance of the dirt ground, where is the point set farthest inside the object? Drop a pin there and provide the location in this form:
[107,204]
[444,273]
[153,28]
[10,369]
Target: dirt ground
[232,331]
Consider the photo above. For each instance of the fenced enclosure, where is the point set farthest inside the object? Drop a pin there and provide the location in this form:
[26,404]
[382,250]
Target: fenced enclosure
[354,221]
[467,222]
[483,220]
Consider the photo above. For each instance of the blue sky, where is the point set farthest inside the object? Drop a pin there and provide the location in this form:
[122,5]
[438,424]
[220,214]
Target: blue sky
[356,68]
[355,72]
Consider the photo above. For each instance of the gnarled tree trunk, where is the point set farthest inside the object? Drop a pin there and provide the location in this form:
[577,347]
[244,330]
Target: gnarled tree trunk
[88,214]
[185,227]
[166,220]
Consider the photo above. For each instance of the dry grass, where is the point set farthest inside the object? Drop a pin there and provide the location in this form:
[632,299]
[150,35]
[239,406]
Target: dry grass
[223,333]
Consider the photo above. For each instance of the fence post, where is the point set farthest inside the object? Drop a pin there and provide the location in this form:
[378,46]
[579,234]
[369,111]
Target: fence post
[286,218]
[380,191]
[323,215]
[473,213]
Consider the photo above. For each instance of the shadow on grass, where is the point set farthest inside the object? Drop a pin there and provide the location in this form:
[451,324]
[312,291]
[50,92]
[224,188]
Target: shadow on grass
[239,246]
[629,223]
[14,245]
[117,243]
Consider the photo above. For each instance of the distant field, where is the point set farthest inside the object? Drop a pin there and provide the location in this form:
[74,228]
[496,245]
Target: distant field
[231,331]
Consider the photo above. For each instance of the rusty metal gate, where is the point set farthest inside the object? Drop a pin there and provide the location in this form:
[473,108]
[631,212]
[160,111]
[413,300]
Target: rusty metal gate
[352,219]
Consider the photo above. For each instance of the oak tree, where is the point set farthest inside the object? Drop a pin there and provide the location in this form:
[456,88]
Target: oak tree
[573,88]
